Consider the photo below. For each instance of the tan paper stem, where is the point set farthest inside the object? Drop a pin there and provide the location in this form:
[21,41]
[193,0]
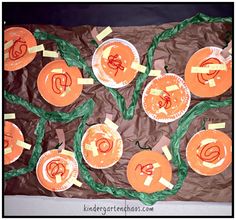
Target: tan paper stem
[159,65]
[94,33]
[162,142]
[109,116]
[61,139]
[227,51]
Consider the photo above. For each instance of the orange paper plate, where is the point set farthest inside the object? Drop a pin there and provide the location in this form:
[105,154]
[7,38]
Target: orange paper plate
[198,83]
[166,106]
[11,134]
[102,146]
[18,52]
[142,166]
[209,152]
[59,89]
[112,61]
[54,169]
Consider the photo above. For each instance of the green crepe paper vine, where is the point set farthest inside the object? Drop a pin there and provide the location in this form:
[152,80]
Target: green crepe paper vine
[39,132]
[150,199]
[73,57]
[84,111]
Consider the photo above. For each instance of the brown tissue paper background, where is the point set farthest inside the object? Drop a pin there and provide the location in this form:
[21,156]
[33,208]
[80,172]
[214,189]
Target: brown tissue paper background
[176,52]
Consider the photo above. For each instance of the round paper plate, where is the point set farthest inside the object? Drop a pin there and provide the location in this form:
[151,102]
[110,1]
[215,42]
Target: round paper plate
[142,166]
[209,152]
[18,55]
[112,61]
[198,83]
[102,146]
[166,98]
[57,83]
[54,169]
[11,134]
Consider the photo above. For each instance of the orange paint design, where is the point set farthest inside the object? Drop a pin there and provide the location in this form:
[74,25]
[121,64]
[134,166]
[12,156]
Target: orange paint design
[53,86]
[11,134]
[52,164]
[141,166]
[198,82]
[108,143]
[168,106]
[18,52]
[115,70]
[216,153]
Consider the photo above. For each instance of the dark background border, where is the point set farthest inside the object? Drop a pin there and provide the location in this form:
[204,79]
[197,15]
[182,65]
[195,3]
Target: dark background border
[104,14]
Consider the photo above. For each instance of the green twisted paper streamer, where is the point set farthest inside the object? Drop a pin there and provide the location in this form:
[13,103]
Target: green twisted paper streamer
[84,111]
[73,58]
[150,199]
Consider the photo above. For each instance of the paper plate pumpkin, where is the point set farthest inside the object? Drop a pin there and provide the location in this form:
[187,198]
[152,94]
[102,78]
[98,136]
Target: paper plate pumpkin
[166,98]
[215,81]
[54,170]
[209,152]
[57,83]
[17,40]
[112,61]
[145,169]
[11,135]
[101,146]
